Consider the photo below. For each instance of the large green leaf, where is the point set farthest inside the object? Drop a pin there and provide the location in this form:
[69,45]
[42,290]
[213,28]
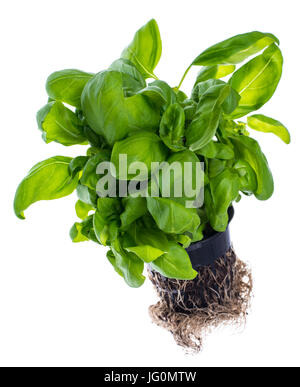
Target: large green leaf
[143,235]
[266,124]
[60,124]
[257,80]
[129,265]
[110,113]
[175,263]
[145,49]
[223,190]
[248,149]
[236,49]
[47,180]
[206,119]
[147,243]
[172,217]
[67,85]
[143,147]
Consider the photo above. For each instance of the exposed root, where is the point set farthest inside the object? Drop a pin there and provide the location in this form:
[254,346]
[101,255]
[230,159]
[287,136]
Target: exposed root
[188,309]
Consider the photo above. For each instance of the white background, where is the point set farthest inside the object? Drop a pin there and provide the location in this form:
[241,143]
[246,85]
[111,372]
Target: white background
[61,304]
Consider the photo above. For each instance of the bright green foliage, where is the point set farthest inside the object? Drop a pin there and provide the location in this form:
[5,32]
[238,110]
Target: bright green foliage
[236,49]
[145,49]
[116,112]
[141,146]
[257,80]
[266,124]
[60,124]
[47,180]
[67,85]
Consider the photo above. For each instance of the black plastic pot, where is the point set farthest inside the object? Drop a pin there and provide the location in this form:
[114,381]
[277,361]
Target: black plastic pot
[207,251]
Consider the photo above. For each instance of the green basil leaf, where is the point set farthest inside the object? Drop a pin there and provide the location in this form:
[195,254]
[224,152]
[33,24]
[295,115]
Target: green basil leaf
[230,102]
[88,229]
[76,233]
[107,219]
[236,49]
[206,120]
[135,208]
[135,81]
[248,149]
[183,186]
[215,167]
[110,113]
[180,95]
[87,195]
[184,240]
[214,72]
[175,264]
[266,124]
[60,124]
[142,147]
[93,138]
[145,49]
[129,265]
[159,94]
[77,165]
[248,180]
[189,108]
[89,176]
[109,208]
[142,235]
[67,85]
[216,150]
[224,189]
[171,128]
[112,259]
[145,253]
[47,180]
[101,228]
[92,151]
[172,217]
[82,209]
[198,234]
[257,80]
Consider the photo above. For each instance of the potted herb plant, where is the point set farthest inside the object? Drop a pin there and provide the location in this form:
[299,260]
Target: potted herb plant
[132,200]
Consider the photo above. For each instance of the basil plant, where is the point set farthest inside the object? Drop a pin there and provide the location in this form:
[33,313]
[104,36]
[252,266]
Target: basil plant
[127,110]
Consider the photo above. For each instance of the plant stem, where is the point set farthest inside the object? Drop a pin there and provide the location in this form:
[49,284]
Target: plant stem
[184,75]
